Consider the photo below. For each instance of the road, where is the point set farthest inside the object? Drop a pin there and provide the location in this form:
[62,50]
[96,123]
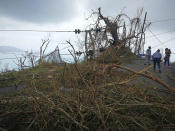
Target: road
[139,65]
[173,69]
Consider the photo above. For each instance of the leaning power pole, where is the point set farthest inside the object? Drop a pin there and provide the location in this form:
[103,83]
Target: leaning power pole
[142,33]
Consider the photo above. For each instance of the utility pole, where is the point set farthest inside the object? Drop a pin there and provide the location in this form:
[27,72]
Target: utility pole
[86,49]
[142,33]
[93,44]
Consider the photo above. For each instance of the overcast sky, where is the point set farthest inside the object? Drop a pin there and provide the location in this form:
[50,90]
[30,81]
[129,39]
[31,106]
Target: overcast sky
[71,14]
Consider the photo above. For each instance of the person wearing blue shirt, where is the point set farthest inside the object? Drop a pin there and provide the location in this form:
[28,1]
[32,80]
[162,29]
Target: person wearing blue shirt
[157,59]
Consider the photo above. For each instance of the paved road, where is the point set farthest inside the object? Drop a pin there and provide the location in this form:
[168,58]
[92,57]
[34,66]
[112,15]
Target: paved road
[173,69]
[138,65]
[11,89]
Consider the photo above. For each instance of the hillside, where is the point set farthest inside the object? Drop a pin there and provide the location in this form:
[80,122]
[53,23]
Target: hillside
[86,96]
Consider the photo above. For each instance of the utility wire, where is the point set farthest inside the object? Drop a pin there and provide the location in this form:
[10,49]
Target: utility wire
[8,58]
[161,43]
[150,36]
[23,57]
[155,36]
[26,30]
[36,31]
[163,20]
[65,48]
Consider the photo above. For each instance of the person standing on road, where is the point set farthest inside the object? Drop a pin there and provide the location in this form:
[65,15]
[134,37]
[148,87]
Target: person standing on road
[157,59]
[148,55]
[167,56]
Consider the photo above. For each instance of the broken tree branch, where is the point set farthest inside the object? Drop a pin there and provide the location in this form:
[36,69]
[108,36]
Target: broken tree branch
[142,74]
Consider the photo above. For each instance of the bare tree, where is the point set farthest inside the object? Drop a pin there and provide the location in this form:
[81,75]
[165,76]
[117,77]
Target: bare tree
[21,62]
[43,48]
[120,32]
[31,58]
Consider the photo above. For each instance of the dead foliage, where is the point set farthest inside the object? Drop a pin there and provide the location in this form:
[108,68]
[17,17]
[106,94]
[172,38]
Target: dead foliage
[80,97]
[90,95]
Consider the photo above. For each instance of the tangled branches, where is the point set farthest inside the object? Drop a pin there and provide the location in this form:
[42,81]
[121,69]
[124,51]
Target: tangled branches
[120,32]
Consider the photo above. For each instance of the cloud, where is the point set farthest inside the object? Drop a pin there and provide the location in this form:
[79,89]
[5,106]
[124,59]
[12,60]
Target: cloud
[157,9]
[161,10]
[32,40]
[109,7]
[56,11]
[38,11]
[68,15]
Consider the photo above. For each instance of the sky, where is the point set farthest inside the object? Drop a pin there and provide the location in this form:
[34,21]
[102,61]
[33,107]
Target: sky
[72,14]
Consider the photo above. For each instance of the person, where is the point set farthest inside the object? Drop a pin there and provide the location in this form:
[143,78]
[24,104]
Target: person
[157,59]
[148,55]
[167,56]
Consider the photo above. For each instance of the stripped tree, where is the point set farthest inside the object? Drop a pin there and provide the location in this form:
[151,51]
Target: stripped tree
[119,32]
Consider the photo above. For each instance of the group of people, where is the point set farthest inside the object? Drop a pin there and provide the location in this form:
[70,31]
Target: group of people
[157,58]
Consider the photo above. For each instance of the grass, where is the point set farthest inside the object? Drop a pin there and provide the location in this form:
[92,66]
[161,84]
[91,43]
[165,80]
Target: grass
[8,79]
[80,97]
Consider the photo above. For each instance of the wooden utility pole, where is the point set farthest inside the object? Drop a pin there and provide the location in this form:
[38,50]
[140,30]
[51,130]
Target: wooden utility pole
[59,56]
[143,43]
[86,49]
[124,34]
[93,43]
[143,26]
[137,23]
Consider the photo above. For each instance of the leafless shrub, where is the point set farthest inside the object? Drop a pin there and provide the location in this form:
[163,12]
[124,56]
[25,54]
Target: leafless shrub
[43,48]
[31,57]
[26,60]
[21,62]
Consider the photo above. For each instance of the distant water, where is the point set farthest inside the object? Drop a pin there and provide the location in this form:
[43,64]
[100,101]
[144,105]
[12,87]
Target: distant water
[8,60]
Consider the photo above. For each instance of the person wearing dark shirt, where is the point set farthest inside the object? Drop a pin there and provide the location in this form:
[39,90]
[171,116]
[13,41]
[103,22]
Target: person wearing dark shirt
[167,57]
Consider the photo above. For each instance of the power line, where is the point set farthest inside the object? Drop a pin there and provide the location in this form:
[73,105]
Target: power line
[63,43]
[36,31]
[23,57]
[168,40]
[160,33]
[7,58]
[64,48]
[164,42]
[161,43]
[155,36]
[72,31]
[163,20]
[27,30]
